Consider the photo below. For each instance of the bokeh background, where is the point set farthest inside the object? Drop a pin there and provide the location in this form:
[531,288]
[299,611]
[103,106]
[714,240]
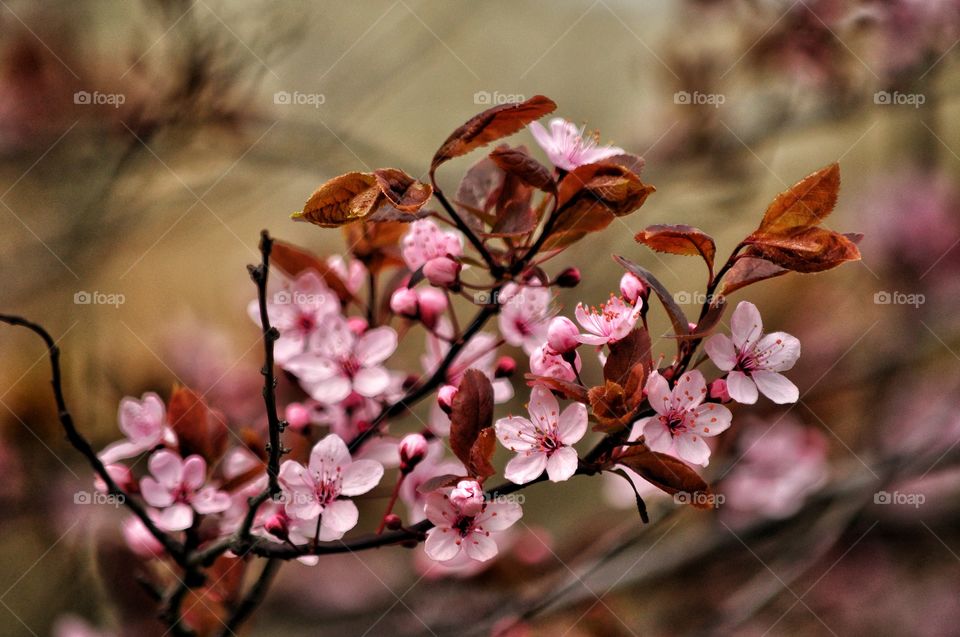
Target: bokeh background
[144,144]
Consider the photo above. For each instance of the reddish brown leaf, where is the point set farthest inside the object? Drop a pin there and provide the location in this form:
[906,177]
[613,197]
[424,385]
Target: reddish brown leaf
[748,270]
[677,318]
[805,204]
[199,429]
[610,407]
[490,125]
[478,192]
[516,161]
[590,196]
[402,191]
[668,473]
[376,245]
[631,350]
[481,453]
[439,482]
[810,250]
[293,260]
[388,194]
[570,391]
[472,412]
[679,239]
[343,199]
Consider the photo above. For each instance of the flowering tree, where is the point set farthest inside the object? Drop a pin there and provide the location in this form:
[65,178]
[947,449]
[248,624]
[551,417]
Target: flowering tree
[207,507]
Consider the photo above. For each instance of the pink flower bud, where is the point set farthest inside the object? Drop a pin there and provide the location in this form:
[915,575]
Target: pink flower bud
[467,497]
[392,521]
[506,367]
[718,390]
[357,324]
[413,448]
[562,335]
[121,474]
[445,398]
[276,525]
[404,302]
[433,303]
[297,416]
[442,272]
[632,288]
[569,278]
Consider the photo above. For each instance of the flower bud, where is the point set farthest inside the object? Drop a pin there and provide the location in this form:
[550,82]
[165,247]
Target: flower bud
[297,416]
[562,335]
[404,302]
[506,367]
[569,278]
[413,448]
[632,288]
[718,390]
[442,272]
[445,398]
[276,525]
[358,325]
[392,521]
[433,303]
[467,497]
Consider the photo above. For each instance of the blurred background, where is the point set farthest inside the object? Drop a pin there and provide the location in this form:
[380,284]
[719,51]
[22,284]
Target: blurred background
[144,144]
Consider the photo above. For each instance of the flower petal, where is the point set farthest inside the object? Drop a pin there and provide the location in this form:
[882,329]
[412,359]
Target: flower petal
[328,455]
[329,391]
[720,349]
[658,393]
[440,510]
[154,493]
[690,390]
[711,419]
[178,517]
[167,468]
[525,466]
[361,476]
[562,464]
[376,346]
[544,409]
[498,516]
[515,433]
[573,423]
[741,388]
[479,547]
[658,437]
[210,500]
[776,387]
[371,381]
[778,351]
[693,449]
[338,518]
[194,472]
[442,544]
[746,325]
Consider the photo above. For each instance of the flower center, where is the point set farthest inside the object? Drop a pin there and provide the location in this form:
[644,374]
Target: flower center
[350,365]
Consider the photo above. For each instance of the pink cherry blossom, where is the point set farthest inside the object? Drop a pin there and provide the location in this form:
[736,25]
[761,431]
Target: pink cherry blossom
[413,449]
[425,241]
[524,315]
[544,441]
[318,489]
[434,464]
[567,147]
[175,487]
[546,362]
[299,312]
[563,335]
[352,272]
[442,271]
[609,323]
[754,361]
[779,466]
[405,302]
[143,423]
[682,421]
[344,362]
[470,530]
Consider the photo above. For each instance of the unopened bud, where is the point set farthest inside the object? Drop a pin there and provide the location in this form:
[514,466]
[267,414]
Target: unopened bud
[569,278]
[433,303]
[297,416]
[392,521]
[445,398]
[632,288]
[276,525]
[405,302]
[357,324]
[442,272]
[506,367]
[413,448]
[562,335]
[467,497]
[718,390]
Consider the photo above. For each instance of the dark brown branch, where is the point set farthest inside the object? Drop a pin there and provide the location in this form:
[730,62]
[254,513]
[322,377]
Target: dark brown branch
[76,439]
[496,270]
